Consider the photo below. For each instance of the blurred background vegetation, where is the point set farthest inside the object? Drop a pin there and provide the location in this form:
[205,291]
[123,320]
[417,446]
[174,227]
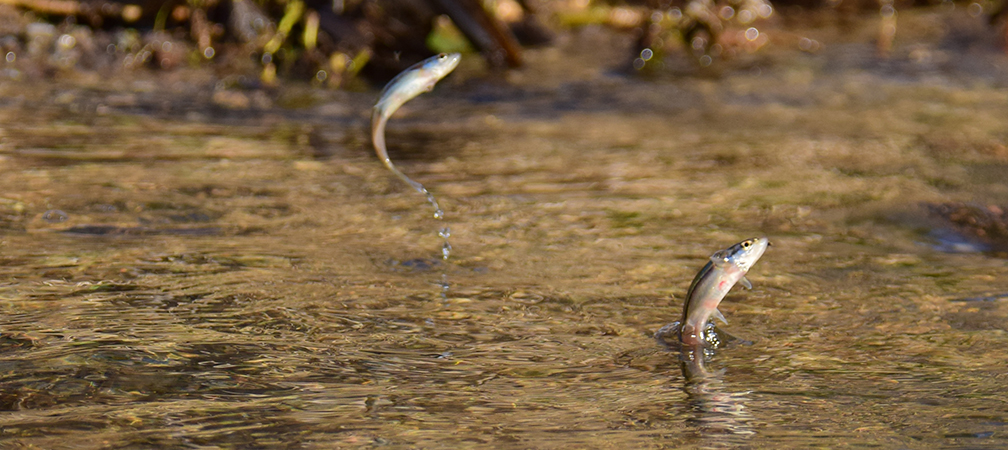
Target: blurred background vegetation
[356,43]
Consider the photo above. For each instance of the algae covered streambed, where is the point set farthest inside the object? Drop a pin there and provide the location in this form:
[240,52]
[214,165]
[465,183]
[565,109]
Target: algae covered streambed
[178,269]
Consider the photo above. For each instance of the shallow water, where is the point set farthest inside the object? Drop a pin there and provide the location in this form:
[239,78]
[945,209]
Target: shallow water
[178,273]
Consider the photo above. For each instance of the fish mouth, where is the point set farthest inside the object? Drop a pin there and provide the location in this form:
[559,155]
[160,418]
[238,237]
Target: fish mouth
[748,257]
[759,245]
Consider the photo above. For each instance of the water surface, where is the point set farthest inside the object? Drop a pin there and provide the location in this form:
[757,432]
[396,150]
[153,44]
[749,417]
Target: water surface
[174,272]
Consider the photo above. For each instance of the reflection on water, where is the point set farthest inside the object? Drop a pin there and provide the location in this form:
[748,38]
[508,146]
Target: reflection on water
[718,417]
[255,278]
[721,417]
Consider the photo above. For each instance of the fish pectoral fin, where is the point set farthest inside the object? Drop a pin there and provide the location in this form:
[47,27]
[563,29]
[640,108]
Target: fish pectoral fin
[745,283]
[717,315]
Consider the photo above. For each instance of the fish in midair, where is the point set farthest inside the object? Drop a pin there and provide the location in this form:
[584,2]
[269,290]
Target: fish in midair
[725,268]
[419,78]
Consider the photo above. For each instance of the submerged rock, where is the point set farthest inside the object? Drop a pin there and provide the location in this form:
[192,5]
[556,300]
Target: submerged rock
[983,227]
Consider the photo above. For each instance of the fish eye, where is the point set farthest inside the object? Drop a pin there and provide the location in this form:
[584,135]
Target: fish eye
[746,245]
[442,56]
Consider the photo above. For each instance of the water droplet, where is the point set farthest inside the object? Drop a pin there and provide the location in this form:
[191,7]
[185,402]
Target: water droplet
[698,43]
[66,42]
[975,9]
[445,232]
[887,11]
[446,251]
[444,286]
[55,216]
[438,214]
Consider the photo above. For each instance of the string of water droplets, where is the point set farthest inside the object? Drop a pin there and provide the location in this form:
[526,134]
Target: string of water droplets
[413,81]
[444,233]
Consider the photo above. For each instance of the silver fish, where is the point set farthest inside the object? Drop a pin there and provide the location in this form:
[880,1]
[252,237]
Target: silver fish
[725,268]
[419,78]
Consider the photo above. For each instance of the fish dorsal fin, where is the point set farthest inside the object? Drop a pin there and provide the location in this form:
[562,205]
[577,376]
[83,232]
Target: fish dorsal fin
[745,283]
[717,315]
[720,258]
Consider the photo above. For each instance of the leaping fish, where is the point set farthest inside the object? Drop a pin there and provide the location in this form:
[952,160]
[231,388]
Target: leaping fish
[419,78]
[709,287]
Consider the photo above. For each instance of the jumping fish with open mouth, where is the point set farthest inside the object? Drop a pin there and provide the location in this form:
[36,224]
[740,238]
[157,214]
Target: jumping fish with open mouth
[725,268]
[416,80]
